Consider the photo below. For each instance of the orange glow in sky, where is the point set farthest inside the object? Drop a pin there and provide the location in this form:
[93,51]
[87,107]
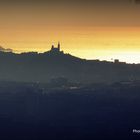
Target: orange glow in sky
[96,31]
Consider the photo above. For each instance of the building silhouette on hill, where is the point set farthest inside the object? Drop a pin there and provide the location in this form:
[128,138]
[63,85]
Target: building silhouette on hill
[55,49]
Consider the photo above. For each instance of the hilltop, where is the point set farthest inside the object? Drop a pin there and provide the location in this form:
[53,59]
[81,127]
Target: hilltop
[55,64]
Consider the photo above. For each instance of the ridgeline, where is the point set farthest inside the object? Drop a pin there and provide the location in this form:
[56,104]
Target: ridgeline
[54,64]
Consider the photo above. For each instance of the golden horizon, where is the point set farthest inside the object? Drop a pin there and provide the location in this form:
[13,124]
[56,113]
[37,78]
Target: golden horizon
[97,30]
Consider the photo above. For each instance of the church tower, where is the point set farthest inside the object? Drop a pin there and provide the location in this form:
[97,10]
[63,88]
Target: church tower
[59,46]
[55,49]
[52,47]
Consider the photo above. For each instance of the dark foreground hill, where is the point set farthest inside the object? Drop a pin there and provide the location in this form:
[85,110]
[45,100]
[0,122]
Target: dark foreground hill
[100,113]
[43,67]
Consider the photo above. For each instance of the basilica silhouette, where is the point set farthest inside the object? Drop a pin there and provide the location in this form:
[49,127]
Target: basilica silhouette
[55,49]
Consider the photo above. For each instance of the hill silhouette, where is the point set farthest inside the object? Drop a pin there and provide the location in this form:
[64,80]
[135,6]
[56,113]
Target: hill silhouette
[2,49]
[53,95]
[53,64]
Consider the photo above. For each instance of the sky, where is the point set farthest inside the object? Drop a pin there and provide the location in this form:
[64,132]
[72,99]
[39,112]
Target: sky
[91,29]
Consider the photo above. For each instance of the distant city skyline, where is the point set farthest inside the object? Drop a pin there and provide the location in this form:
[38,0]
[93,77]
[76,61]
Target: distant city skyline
[91,29]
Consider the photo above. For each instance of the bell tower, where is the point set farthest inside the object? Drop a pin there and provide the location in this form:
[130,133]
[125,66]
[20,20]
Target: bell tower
[58,46]
[52,47]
